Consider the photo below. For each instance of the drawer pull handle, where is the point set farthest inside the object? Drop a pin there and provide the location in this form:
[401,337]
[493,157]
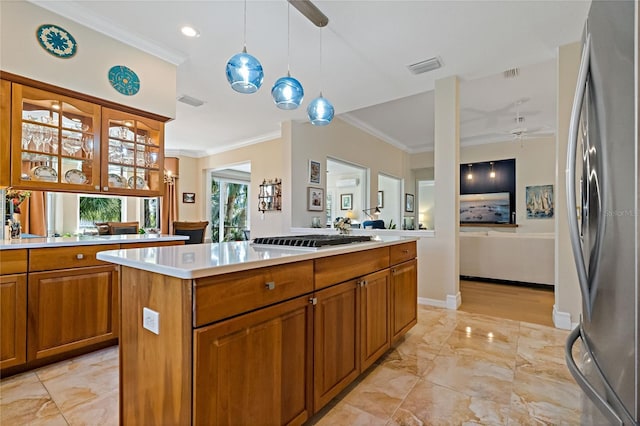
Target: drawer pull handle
[405,251]
[270,285]
[79,256]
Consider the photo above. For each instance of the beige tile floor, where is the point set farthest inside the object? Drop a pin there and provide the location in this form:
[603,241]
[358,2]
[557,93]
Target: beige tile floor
[452,368]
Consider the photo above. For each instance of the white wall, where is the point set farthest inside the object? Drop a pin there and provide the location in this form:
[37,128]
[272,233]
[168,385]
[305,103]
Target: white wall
[567,291]
[393,200]
[188,182]
[85,72]
[439,261]
[267,162]
[535,165]
[341,141]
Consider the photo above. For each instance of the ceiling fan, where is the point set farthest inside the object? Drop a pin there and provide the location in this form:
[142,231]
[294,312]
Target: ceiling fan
[520,131]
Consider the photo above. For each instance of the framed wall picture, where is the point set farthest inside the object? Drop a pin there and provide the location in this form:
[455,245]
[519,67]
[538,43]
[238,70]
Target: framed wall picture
[189,197]
[346,201]
[314,172]
[408,203]
[315,199]
[539,199]
[380,199]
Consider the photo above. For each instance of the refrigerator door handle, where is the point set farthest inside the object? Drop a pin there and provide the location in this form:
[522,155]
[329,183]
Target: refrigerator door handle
[574,128]
[584,384]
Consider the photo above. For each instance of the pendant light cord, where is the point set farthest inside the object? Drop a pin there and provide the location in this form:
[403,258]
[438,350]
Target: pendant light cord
[245,27]
[320,61]
[288,39]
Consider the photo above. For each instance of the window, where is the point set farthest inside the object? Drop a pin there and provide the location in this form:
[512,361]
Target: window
[98,209]
[229,208]
[151,213]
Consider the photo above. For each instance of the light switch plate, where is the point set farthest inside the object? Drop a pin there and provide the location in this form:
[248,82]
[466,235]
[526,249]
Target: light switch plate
[151,320]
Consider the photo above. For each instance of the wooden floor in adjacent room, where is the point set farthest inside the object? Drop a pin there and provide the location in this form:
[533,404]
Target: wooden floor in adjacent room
[514,302]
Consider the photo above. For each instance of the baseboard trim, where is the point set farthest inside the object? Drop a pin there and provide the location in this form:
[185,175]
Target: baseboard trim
[562,319]
[432,302]
[454,301]
[548,287]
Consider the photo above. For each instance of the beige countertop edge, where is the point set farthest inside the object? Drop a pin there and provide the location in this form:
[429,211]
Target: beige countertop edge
[29,243]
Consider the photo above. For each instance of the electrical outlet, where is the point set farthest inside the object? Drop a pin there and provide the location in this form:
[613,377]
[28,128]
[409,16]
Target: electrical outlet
[151,320]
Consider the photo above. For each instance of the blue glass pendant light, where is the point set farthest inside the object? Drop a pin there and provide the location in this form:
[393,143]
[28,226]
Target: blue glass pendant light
[287,92]
[244,71]
[320,111]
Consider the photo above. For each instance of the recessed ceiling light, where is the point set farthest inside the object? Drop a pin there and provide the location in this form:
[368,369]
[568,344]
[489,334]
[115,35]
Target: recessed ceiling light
[190,31]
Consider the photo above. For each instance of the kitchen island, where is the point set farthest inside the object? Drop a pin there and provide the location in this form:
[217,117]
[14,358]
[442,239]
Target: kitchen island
[57,300]
[236,333]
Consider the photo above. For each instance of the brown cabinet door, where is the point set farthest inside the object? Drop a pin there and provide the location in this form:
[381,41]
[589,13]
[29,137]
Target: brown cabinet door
[132,154]
[5,133]
[255,368]
[70,309]
[336,325]
[374,308]
[13,320]
[404,298]
[55,141]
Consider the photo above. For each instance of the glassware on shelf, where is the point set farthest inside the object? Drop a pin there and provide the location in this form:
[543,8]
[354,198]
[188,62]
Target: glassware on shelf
[87,146]
[72,143]
[79,125]
[152,159]
[115,151]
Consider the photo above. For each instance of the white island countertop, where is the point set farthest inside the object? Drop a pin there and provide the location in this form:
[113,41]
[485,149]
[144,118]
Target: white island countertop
[86,240]
[203,260]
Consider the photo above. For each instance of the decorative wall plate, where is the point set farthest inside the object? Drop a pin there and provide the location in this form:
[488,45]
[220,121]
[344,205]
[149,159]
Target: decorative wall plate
[56,41]
[124,80]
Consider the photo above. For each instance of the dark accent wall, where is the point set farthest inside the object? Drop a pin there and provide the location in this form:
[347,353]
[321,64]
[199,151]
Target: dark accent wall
[505,180]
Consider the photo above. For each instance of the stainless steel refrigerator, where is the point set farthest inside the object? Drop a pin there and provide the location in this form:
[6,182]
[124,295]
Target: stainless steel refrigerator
[603,183]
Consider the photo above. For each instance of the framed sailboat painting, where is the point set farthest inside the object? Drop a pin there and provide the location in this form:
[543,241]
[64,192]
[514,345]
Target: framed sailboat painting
[539,201]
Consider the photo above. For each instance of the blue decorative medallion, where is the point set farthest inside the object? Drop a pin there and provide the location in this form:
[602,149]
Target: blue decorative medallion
[124,80]
[57,41]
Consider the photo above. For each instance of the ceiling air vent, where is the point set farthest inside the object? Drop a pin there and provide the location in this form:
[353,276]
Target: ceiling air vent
[511,73]
[186,99]
[424,66]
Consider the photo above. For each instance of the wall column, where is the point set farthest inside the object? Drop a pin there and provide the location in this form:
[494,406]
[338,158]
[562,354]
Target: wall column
[567,307]
[443,267]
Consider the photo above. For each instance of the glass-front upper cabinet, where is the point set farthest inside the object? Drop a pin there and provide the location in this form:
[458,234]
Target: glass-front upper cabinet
[55,141]
[132,154]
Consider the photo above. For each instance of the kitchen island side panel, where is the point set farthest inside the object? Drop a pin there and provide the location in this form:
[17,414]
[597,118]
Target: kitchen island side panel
[155,369]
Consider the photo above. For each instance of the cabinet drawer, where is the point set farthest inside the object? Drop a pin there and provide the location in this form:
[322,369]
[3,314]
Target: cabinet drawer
[13,262]
[336,269]
[402,252]
[224,296]
[47,259]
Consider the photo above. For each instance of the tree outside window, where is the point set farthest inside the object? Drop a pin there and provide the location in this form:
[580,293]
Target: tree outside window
[99,209]
[228,210]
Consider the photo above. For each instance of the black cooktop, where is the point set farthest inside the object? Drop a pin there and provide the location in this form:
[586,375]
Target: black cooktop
[311,240]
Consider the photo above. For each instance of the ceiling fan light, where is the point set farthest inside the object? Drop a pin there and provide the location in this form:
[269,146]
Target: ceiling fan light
[320,111]
[244,72]
[287,93]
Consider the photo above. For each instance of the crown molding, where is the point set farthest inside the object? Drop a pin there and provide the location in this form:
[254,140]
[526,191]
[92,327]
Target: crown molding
[74,11]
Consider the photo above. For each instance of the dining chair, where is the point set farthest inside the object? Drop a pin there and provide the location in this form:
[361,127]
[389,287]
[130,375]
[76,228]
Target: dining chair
[374,224]
[194,230]
[121,228]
